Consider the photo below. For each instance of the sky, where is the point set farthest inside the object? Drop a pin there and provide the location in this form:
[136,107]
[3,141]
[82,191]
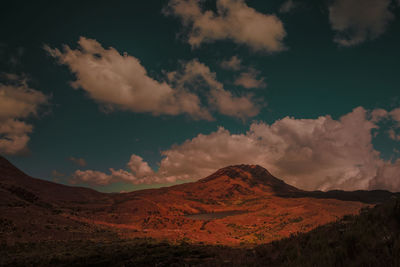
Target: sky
[122,95]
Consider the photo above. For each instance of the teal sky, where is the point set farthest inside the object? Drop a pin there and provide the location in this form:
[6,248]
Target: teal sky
[313,77]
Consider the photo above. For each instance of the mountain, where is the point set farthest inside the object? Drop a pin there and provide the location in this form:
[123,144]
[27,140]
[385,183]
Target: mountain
[254,176]
[236,204]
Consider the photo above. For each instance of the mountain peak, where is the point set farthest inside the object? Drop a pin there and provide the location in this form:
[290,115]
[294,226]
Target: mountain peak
[243,171]
[253,175]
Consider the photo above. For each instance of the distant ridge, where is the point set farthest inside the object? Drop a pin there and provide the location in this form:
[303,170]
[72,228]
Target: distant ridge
[14,180]
[365,196]
[252,175]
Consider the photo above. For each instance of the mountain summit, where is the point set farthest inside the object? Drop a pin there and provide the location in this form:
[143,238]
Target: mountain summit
[253,176]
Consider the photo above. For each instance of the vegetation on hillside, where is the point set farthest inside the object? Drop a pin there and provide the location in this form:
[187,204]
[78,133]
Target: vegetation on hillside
[369,239]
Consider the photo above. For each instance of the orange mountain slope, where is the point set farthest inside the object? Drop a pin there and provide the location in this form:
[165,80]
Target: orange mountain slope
[237,204]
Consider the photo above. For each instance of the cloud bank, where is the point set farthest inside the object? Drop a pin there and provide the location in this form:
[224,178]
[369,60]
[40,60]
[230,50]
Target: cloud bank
[18,102]
[320,153]
[233,20]
[121,82]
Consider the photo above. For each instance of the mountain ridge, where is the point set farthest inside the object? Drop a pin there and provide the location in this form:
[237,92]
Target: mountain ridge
[249,173]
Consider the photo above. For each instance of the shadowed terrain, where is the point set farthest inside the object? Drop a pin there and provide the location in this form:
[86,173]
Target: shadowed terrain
[369,239]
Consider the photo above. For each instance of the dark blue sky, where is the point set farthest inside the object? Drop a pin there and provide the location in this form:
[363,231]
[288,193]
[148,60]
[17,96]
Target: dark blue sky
[313,77]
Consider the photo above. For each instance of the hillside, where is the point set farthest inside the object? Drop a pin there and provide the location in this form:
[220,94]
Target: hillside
[369,239]
[241,204]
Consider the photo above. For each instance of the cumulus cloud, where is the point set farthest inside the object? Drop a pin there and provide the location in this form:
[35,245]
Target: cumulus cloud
[78,161]
[317,153]
[139,167]
[233,20]
[320,153]
[196,74]
[249,79]
[139,173]
[17,102]
[356,21]
[120,81]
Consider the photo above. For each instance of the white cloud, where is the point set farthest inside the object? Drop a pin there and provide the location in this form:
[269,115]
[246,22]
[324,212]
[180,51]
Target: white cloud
[356,21]
[320,153]
[248,79]
[17,103]
[140,173]
[139,167]
[196,74]
[120,81]
[234,20]
[309,153]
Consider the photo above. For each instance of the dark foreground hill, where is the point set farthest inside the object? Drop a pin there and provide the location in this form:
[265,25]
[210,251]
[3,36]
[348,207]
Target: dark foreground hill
[369,239]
